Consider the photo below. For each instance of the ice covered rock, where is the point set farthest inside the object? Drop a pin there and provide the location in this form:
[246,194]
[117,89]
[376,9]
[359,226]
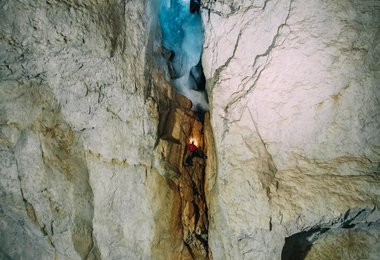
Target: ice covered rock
[182,33]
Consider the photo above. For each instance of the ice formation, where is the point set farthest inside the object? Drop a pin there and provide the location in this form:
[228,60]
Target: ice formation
[182,33]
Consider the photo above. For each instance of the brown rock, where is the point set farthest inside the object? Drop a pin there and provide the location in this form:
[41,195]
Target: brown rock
[183,102]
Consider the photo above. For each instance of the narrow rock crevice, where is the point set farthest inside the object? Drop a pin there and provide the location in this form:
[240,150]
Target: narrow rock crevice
[192,191]
[183,120]
[178,126]
[183,126]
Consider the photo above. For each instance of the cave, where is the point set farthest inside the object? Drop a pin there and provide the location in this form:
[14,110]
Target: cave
[181,51]
[99,99]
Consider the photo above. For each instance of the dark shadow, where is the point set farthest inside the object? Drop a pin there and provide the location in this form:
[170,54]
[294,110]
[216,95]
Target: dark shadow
[297,246]
[200,114]
[198,76]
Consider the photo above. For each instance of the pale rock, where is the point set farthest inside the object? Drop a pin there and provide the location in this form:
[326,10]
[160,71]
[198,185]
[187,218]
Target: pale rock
[93,137]
[347,244]
[79,117]
[293,88]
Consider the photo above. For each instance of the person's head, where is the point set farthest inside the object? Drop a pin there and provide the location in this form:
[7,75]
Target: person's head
[192,142]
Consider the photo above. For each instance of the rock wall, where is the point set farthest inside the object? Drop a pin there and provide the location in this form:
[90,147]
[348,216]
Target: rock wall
[93,137]
[78,125]
[294,103]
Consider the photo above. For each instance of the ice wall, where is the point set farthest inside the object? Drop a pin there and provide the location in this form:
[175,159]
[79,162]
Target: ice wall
[182,33]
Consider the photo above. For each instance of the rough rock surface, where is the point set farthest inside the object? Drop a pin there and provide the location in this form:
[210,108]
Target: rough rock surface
[294,102]
[179,127]
[80,105]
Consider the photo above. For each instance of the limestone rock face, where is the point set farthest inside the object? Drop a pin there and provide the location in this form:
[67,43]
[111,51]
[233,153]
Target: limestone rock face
[78,125]
[294,102]
[93,137]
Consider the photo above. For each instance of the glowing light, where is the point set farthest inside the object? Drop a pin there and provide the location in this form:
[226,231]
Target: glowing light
[193,140]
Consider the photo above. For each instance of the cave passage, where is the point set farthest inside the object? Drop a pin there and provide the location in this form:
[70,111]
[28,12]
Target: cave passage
[182,45]
[182,40]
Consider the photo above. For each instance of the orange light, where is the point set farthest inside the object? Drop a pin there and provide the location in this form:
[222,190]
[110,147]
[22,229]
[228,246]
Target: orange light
[195,141]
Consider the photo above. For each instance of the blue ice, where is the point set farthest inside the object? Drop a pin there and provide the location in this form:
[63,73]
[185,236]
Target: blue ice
[182,32]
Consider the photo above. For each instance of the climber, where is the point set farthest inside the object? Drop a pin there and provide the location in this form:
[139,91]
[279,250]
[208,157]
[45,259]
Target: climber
[194,6]
[194,152]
